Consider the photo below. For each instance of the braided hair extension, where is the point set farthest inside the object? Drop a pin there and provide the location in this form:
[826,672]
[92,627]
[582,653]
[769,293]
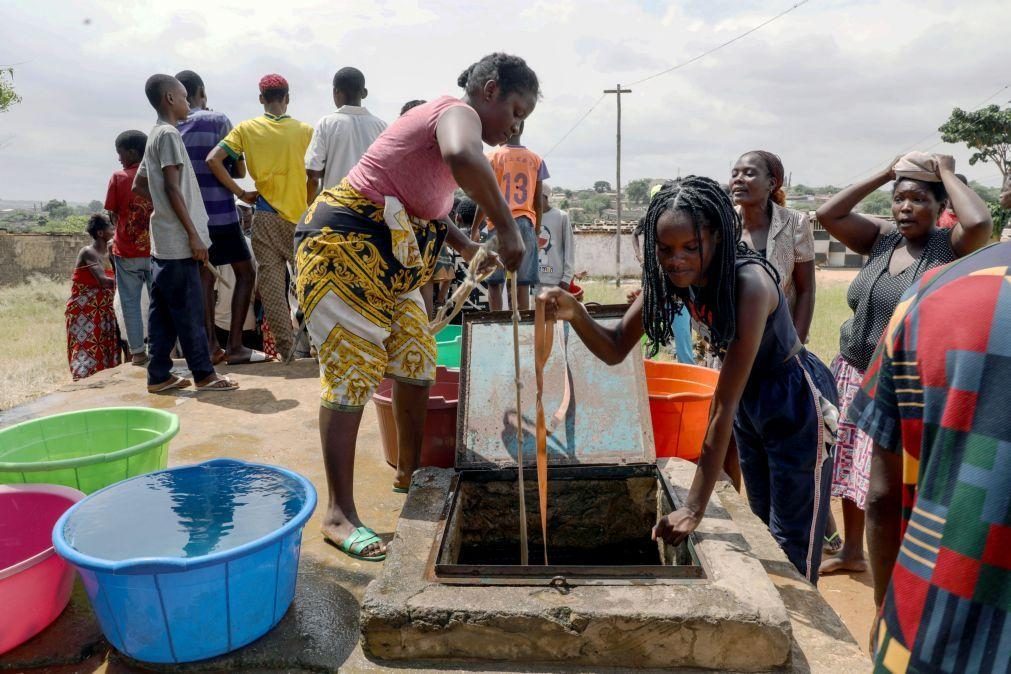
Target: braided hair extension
[704,201]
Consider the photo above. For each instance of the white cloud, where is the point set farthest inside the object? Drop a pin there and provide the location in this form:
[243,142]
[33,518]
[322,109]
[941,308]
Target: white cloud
[836,87]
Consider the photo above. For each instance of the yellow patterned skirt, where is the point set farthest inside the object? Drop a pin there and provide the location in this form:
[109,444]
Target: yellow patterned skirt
[363,309]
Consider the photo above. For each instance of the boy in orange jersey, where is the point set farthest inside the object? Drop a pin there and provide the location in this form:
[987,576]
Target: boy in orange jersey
[521,174]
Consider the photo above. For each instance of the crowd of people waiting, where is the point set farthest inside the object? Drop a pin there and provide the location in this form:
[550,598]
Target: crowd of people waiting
[908,424]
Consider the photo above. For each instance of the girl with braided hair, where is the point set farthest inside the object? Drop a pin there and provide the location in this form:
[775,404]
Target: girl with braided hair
[772,394]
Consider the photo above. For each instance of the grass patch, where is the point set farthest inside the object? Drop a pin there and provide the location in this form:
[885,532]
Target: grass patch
[34,358]
[830,310]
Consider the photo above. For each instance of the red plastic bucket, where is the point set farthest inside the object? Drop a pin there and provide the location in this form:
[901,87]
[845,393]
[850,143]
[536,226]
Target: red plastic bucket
[680,396]
[438,448]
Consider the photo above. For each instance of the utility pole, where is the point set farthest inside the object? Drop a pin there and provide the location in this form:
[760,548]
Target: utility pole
[617,232]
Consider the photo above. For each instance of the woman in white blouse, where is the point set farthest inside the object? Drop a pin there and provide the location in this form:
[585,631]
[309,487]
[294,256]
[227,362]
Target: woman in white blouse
[781,234]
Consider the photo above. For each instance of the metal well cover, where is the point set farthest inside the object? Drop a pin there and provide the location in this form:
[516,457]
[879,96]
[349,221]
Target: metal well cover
[606,420]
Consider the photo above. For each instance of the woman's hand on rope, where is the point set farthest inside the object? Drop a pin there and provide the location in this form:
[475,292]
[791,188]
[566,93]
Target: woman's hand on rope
[559,305]
[487,265]
[510,247]
[675,527]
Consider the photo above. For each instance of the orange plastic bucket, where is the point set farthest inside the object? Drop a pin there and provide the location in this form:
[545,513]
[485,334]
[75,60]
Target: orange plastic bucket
[680,396]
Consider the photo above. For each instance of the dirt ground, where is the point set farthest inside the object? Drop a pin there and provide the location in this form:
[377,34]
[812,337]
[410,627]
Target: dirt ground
[850,594]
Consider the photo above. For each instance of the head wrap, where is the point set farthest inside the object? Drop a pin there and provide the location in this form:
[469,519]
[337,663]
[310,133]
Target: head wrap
[272,81]
[917,166]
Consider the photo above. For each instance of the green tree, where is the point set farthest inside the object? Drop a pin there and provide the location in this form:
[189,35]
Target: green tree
[57,209]
[987,131]
[601,186]
[597,204]
[94,206]
[878,202]
[637,191]
[990,195]
[8,97]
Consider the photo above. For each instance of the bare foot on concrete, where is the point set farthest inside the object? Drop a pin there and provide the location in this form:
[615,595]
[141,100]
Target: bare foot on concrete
[843,564]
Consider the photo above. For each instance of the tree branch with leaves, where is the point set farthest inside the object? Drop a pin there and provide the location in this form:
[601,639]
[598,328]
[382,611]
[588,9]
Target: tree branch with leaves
[987,131]
[8,97]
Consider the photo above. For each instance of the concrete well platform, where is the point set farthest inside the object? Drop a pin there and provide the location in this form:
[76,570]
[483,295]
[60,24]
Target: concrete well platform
[272,419]
[734,619]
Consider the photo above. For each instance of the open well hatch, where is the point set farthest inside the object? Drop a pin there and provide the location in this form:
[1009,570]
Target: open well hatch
[604,490]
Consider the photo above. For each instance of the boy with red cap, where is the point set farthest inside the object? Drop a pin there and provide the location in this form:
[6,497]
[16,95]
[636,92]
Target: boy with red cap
[274,148]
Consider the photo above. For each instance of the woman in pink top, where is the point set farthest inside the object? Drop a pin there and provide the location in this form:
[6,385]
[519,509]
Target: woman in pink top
[364,249]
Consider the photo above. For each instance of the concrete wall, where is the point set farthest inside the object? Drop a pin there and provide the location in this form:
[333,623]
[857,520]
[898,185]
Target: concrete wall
[595,254]
[25,255]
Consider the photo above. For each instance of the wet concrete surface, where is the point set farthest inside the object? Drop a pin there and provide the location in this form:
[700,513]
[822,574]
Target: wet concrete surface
[271,419]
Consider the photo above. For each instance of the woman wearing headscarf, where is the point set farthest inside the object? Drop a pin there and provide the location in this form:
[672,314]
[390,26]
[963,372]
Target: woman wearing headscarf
[898,253]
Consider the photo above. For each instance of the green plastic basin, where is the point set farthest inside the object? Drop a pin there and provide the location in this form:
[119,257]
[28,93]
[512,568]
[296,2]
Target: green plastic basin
[449,333]
[448,342]
[87,450]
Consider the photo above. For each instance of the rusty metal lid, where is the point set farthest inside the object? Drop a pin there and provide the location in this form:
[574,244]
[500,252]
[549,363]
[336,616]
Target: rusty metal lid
[606,420]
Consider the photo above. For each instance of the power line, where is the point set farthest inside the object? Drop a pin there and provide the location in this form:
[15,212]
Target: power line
[578,122]
[679,66]
[926,138]
[725,44]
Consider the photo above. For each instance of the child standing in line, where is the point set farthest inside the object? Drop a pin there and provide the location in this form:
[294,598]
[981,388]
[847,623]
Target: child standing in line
[557,247]
[342,137]
[92,337]
[202,130]
[521,174]
[274,145]
[179,242]
[131,245]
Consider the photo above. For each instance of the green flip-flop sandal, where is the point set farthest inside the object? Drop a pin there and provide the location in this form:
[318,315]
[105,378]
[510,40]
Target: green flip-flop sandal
[359,540]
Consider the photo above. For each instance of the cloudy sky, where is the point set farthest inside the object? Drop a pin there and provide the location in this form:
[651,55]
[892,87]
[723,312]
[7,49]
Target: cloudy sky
[836,87]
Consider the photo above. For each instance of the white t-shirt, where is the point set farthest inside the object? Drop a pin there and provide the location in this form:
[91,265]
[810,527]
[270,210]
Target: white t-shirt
[339,140]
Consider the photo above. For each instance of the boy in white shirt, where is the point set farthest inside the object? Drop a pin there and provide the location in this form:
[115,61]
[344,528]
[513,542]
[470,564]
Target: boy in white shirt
[342,137]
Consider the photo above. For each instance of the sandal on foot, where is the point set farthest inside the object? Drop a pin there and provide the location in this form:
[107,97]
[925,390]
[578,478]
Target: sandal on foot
[219,384]
[359,541]
[174,382]
[254,357]
[832,544]
[400,490]
[218,357]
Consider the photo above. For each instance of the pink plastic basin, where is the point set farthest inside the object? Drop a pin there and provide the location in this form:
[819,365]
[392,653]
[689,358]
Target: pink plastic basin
[35,583]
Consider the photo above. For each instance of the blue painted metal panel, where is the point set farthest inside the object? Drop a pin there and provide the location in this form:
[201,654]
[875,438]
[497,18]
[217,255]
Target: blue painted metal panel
[606,420]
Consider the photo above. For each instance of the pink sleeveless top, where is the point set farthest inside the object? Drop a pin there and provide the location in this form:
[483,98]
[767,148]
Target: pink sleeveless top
[405,162]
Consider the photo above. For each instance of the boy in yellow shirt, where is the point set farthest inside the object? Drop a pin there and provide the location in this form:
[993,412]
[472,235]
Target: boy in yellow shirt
[274,146]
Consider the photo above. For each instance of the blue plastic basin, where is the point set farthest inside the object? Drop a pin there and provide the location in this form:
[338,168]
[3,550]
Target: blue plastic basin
[191,562]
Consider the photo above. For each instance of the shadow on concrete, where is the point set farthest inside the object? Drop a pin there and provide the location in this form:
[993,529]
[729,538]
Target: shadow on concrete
[252,400]
[305,368]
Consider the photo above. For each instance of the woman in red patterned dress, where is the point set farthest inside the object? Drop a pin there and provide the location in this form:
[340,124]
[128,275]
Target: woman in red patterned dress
[92,333]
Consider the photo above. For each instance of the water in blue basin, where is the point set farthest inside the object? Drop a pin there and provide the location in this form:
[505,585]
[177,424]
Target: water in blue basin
[184,513]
